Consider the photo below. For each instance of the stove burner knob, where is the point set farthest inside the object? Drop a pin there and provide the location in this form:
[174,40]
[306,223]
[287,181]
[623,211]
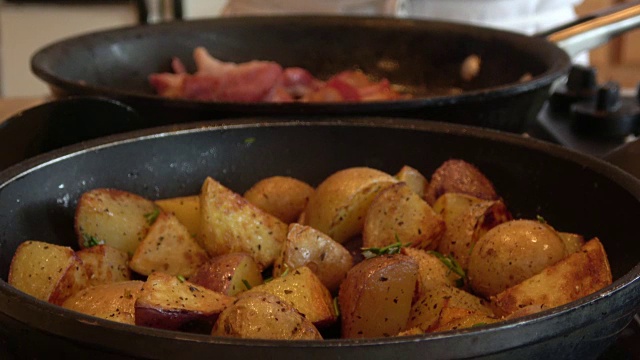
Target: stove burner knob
[581,85]
[608,116]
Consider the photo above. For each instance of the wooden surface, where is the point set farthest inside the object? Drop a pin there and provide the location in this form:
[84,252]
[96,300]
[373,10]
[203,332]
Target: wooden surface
[619,60]
[11,106]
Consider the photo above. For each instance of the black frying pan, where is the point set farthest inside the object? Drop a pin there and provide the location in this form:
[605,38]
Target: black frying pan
[417,54]
[574,192]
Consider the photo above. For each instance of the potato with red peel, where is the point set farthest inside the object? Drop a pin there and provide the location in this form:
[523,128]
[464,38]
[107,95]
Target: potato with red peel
[47,272]
[173,303]
[281,196]
[339,204]
[512,252]
[459,176]
[375,299]
[398,214]
[229,274]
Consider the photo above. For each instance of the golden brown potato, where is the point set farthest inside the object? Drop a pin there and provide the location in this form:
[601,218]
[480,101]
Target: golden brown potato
[281,196]
[451,318]
[228,274]
[304,291]
[186,209]
[170,302]
[105,264]
[264,316]
[459,176]
[169,248]
[114,217]
[432,272]
[375,298]
[339,204]
[467,219]
[414,179]
[111,301]
[578,275]
[426,310]
[306,246]
[231,224]
[512,252]
[47,272]
[398,214]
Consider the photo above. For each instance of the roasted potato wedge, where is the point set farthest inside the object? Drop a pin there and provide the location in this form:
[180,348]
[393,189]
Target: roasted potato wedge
[432,272]
[398,214]
[426,311]
[578,275]
[512,252]
[467,219]
[186,209]
[375,299]
[229,274]
[168,247]
[111,301]
[451,318]
[264,316]
[105,264]
[414,179]
[47,272]
[113,217]
[306,246]
[305,292]
[170,302]
[339,204]
[459,176]
[231,224]
[281,196]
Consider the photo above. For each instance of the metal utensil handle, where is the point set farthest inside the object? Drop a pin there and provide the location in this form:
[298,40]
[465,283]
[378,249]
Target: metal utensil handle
[595,29]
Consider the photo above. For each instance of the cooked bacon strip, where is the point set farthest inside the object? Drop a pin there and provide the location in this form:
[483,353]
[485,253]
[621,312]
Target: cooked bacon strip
[263,81]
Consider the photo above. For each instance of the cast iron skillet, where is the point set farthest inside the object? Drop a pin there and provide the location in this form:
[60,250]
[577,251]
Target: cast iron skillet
[572,191]
[417,54]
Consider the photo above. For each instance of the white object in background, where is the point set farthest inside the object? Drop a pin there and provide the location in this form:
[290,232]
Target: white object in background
[343,7]
[523,16]
[24,28]
[198,9]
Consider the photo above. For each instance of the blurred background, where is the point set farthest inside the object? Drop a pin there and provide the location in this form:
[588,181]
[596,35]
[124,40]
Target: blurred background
[27,25]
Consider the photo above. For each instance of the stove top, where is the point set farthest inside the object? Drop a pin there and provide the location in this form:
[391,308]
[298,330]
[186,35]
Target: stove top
[602,121]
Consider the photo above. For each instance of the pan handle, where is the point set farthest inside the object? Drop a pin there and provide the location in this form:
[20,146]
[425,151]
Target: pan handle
[595,29]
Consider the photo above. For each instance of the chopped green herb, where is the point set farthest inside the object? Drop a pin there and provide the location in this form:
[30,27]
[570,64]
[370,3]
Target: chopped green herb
[395,248]
[91,241]
[246,284]
[452,264]
[478,324]
[336,306]
[269,279]
[541,219]
[181,278]
[152,216]
[249,141]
